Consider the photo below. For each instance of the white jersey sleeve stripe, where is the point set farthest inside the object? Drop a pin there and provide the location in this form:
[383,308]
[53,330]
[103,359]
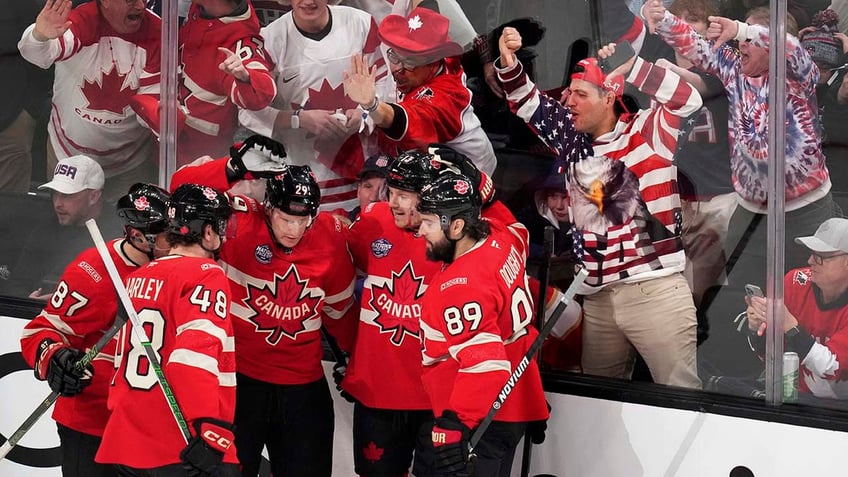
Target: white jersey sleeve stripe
[488,366]
[476,340]
[195,360]
[209,328]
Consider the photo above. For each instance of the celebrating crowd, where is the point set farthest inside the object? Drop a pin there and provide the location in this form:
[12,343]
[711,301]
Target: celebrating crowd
[336,186]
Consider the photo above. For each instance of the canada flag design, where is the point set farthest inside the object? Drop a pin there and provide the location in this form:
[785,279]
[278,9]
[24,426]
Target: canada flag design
[283,307]
[397,304]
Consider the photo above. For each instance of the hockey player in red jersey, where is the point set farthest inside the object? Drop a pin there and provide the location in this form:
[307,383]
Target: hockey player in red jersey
[476,323]
[82,307]
[384,373]
[290,273]
[183,300]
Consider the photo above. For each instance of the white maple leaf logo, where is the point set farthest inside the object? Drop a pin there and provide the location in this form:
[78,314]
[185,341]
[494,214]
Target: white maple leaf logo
[415,23]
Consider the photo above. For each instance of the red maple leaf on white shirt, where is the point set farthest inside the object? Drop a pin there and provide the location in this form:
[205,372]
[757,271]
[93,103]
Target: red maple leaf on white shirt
[110,93]
[344,157]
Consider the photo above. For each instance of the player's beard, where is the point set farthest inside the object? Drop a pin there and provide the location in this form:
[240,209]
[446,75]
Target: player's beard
[442,251]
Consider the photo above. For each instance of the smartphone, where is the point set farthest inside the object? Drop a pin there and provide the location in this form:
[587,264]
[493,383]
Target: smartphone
[754,290]
[623,53]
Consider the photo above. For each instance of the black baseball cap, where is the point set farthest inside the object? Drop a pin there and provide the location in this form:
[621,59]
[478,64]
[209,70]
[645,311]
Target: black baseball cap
[378,164]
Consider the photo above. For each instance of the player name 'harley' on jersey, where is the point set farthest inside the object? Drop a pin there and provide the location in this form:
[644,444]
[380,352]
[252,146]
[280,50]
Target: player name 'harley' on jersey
[81,309]
[385,367]
[183,305]
[98,71]
[476,318]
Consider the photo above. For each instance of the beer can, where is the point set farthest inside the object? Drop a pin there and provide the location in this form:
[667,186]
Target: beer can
[790,376]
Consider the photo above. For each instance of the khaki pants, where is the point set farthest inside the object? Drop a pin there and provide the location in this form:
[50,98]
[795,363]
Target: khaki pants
[655,318]
[16,154]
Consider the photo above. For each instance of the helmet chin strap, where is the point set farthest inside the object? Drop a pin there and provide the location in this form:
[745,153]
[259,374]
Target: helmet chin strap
[216,252]
[151,240]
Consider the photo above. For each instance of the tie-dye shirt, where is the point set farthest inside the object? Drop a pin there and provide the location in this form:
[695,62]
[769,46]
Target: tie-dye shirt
[806,176]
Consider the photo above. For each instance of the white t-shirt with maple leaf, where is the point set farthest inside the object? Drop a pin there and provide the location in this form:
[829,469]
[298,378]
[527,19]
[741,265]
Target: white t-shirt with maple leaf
[309,75]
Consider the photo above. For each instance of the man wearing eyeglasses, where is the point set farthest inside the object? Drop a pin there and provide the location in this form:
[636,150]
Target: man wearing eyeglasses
[815,320]
[434,105]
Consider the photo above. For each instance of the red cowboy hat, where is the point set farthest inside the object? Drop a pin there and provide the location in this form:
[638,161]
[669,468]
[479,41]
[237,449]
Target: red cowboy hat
[422,36]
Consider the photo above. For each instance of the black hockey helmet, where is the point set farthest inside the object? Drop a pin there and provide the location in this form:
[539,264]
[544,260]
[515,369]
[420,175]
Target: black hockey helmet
[192,206]
[412,170]
[145,207]
[450,196]
[294,192]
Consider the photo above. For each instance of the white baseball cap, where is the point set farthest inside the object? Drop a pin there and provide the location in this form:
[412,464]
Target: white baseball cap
[74,174]
[831,236]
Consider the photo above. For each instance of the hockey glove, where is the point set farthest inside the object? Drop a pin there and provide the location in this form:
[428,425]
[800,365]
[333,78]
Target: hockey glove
[258,157]
[462,164]
[536,429]
[339,371]
[56,364]
[205,452]
[450,443]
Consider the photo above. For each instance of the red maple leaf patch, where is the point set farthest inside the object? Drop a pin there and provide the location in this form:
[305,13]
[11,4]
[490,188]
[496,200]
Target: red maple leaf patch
[111,93]
[372,452]
[280,309]
[397,305]
[345,158]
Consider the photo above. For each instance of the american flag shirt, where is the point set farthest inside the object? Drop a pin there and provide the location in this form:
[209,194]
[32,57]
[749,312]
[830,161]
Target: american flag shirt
[622,187]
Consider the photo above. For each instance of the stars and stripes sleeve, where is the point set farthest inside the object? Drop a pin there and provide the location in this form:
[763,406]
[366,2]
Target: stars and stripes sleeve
[677,99]
[548,119]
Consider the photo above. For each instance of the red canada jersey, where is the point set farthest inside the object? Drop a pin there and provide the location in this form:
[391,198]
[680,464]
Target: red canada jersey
[182,303]
[476,320]
[440,111]
[210,97]
[81,309]
[385,367]
[281,298]
[822,372]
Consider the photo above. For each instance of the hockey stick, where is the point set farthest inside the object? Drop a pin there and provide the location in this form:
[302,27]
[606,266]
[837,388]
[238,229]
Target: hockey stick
[335,350]
[544,280]
[522,365]
[138,327]
[79,367]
